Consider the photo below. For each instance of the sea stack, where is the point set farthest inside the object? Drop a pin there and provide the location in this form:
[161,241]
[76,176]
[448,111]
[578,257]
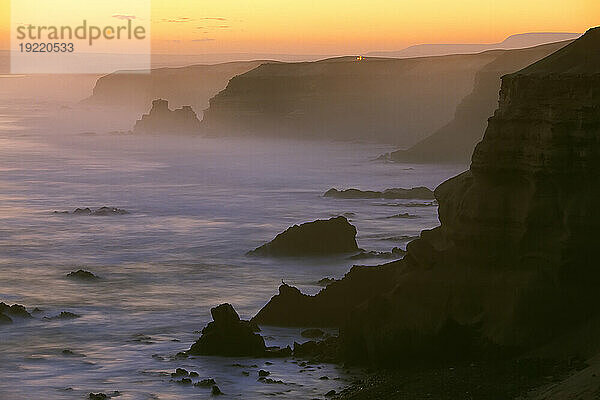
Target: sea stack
[318,238]
[161,119]
[514,263]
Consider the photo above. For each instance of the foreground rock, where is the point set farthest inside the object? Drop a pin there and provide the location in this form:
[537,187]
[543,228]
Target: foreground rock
[421,192]
[334,304]
[318,238]
[98,212]
[161,119]
[227,335]
[514,263]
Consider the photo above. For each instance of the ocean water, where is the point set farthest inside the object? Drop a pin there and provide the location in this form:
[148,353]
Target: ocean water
[197,205]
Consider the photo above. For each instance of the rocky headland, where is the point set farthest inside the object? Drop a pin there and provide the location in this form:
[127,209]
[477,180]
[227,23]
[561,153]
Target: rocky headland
[161,119]
[192,85]
[512,269]
[398,101]
[8,312]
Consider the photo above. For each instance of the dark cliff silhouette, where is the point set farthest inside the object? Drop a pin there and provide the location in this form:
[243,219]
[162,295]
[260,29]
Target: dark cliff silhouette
[513,265]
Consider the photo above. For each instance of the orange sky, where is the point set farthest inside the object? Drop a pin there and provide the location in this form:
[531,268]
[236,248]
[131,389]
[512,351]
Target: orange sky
[344,26]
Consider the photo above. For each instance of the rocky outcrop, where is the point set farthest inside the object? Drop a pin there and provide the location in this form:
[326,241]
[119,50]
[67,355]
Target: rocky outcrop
[161,119]
[228,335]
[513,263]
[82,275]
[98,212]
[395,193]
[317,238]
[455,141]
[398,101]
[7,313]
[334,304]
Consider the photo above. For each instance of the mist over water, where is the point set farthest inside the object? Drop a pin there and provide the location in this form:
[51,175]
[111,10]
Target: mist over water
[197,205]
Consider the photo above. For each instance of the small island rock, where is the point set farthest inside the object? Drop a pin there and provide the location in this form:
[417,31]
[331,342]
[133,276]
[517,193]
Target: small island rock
[317,238]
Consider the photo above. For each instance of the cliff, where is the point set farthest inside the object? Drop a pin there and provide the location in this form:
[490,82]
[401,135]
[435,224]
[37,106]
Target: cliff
[513,264]
[193,85]
[161,119]
[397,101]
[455,141]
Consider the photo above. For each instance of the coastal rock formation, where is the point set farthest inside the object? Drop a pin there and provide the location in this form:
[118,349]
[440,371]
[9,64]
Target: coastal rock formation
[191,85]
[513,263]
[65,315]
[98,212]
[332,305]
[82,275]
[455,141]
[398,101]
[161,119]
[16,310]
[395,193]
[317,238]
[227,335]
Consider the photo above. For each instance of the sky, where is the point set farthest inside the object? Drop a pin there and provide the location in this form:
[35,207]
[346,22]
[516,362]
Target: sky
[341,26]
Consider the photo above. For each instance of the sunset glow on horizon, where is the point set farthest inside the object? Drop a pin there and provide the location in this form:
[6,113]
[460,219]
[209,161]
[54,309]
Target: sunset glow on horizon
[344,27]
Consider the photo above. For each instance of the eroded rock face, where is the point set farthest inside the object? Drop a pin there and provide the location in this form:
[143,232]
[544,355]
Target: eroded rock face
[161,119]
[228,335]
[317,238]
[513,263]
